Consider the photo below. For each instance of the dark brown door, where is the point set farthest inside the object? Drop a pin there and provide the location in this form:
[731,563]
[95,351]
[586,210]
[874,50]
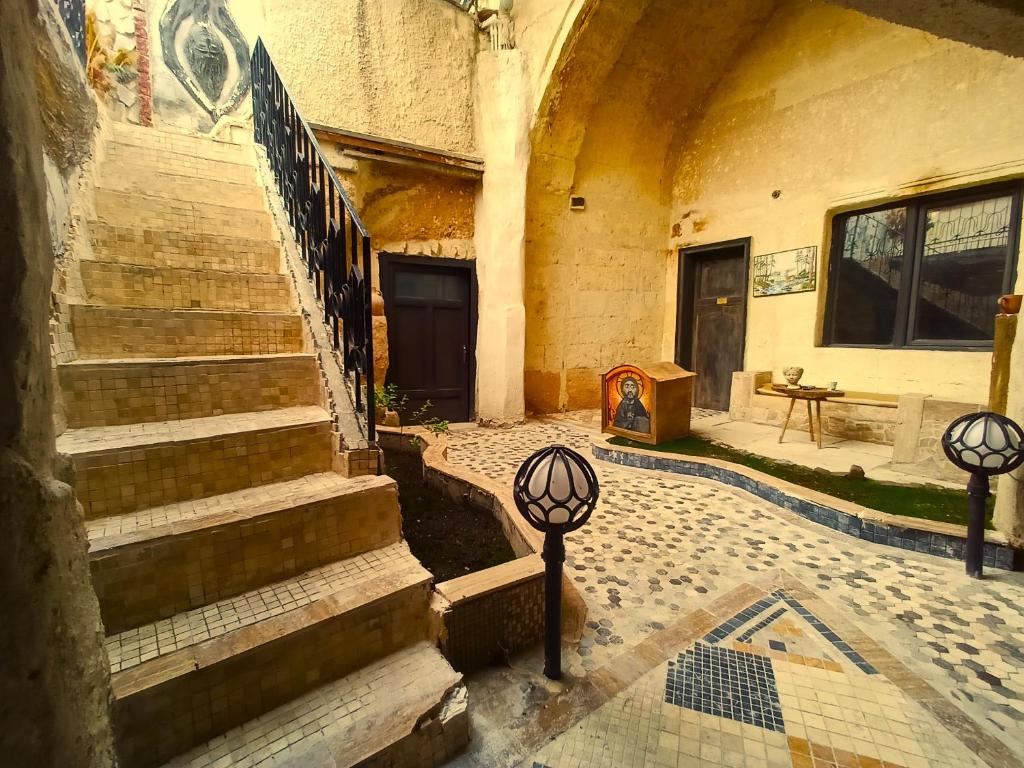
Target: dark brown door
[712,312]
[429,307]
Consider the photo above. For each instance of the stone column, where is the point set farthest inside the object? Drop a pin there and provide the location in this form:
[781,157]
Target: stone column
[502,109]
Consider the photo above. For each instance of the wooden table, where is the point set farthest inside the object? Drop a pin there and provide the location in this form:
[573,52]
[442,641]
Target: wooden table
[809,395]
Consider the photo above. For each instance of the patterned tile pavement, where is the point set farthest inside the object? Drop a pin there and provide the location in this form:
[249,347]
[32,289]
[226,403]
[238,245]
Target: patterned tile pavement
[660,546]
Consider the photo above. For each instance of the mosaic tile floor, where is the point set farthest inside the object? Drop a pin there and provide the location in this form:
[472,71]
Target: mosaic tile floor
[660,547]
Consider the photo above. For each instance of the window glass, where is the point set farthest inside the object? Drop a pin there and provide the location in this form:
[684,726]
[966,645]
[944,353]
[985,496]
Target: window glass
[963,264]
[868,277]
[428,285]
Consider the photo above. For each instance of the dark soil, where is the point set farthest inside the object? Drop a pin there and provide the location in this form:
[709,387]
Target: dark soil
[929,502]
[450,538]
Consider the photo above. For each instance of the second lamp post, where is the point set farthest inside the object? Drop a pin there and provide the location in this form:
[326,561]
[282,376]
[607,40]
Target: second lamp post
[555,490]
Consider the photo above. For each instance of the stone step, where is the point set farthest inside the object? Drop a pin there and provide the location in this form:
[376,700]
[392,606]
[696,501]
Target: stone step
[114,332]
[107,393]
[184,680]
[132,467]
[155,247]
[421,722]
[131,285]
[129,159]
[156,142]
[153,183]
[160,561]
[125,209]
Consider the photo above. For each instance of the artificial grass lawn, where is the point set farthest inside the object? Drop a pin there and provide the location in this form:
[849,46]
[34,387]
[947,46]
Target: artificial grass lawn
[930,502]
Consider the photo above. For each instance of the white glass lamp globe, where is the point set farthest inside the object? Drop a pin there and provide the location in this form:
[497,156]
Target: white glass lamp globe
[985,443]
[556,489]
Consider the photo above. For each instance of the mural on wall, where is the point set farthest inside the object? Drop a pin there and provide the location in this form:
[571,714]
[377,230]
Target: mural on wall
[207,53]
[785,272]
[629,399]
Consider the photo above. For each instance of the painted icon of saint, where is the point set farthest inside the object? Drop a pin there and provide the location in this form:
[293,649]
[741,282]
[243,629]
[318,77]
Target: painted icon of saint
[631,413]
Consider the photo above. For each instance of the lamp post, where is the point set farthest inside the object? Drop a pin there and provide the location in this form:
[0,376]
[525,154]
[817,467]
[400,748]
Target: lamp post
[556,491]
[983,444]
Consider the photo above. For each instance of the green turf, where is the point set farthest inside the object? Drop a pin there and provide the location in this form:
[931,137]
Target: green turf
[930,502]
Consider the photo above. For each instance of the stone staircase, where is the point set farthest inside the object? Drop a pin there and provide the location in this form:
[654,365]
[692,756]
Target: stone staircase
[261,609]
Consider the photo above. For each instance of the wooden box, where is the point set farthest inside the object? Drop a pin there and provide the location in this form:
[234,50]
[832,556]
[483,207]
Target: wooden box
[648,403]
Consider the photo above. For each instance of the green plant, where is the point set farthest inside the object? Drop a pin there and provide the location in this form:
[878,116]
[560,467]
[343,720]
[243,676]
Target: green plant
[387,397]
[432,424]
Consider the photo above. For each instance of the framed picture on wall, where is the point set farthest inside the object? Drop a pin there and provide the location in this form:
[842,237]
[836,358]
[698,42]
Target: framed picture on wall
[793,271]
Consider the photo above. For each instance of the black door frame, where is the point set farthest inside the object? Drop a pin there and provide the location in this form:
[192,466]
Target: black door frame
[685,287]
[386,263]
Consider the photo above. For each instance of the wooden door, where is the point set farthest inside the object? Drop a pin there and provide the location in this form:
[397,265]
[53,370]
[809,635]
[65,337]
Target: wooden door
[429,306]
[712,312]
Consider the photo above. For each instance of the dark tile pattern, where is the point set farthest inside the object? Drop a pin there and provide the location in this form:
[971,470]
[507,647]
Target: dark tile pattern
[726,683]
[825,631]
[745,637]
[725,629]
[926,542]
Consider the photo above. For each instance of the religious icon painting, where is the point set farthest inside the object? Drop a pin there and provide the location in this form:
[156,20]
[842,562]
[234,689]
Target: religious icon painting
[628,399]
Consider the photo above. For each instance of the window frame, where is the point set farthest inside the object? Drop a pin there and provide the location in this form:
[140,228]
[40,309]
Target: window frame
[917,208]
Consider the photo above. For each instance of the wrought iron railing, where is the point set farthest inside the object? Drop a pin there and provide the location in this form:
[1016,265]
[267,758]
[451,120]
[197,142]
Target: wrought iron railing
[334,244]
[73,13]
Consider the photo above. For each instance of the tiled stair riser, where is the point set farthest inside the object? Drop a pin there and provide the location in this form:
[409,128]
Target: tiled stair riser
[110,332]
[208,700]
[123,161]
[163,142]
[223,193]
[183,250]
[140,583]
[110,393]
[132,210]
[927,542]
[125,480]
[123,285]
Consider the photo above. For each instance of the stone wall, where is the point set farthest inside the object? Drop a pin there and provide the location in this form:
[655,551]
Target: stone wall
[607,125]
[54,681]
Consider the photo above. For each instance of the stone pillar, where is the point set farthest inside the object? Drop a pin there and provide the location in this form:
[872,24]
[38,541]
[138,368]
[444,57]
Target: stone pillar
[54,679]
[503,109]
[1009,514]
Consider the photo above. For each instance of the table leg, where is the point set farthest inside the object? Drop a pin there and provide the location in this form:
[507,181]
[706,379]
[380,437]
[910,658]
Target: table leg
[810,420]
[817,407]
[792,402]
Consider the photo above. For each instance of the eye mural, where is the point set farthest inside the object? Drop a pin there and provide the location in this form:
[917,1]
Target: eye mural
[629,399]
[206,52]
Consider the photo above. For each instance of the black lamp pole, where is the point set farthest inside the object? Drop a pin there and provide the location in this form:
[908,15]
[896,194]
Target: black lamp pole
[556,490]
[978,490]
[553,555]
[983,444]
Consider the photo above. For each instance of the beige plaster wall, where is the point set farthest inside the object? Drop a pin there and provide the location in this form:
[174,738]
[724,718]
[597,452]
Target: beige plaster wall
[837,110]
[401,69]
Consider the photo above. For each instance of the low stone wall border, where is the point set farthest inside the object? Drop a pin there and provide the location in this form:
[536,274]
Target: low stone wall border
[940,539]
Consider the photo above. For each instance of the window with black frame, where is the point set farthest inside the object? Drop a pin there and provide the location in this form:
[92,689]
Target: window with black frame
[925,273]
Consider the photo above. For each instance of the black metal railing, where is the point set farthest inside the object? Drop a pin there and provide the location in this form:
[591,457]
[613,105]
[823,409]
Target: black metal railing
[334,244]
[73,13]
